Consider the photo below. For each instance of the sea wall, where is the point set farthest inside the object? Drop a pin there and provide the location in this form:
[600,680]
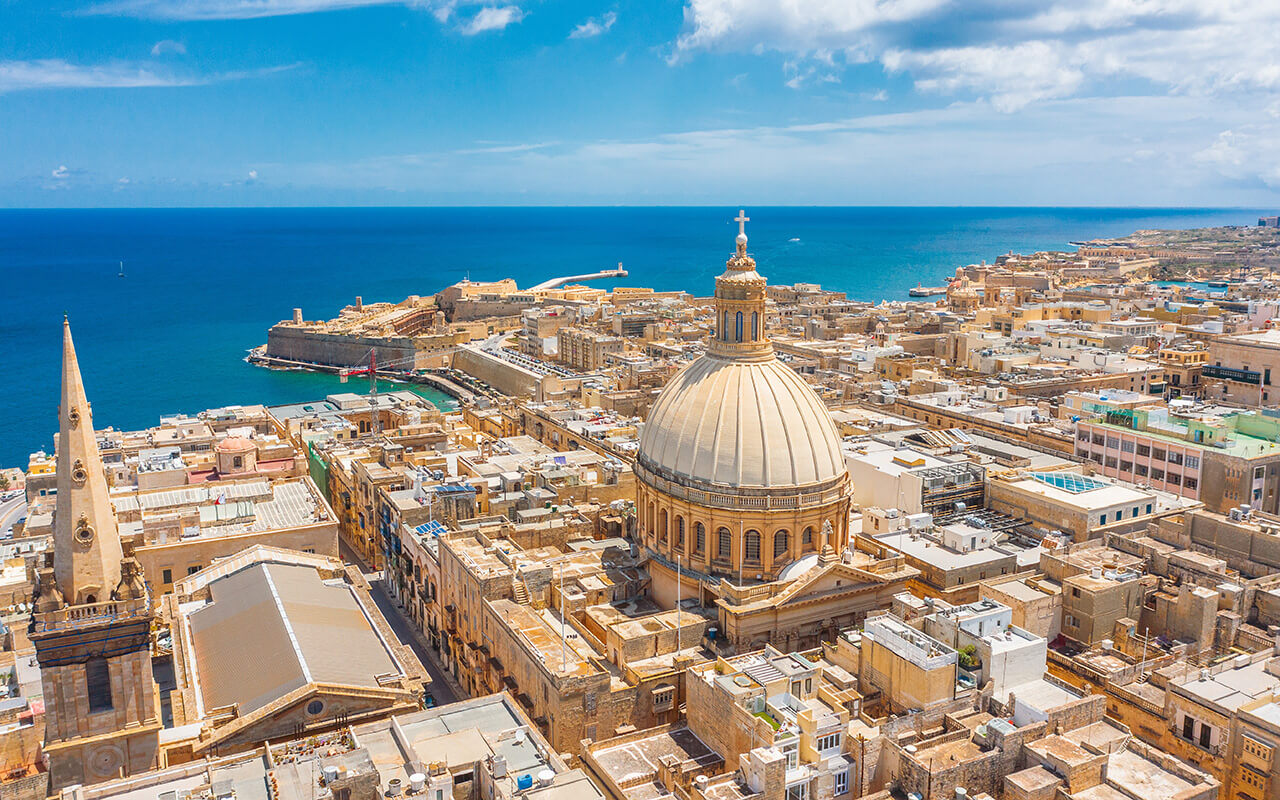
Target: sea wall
[504,376]
[296,343]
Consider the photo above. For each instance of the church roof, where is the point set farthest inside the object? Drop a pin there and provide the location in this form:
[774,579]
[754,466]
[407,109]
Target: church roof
[741,424]
[273,628]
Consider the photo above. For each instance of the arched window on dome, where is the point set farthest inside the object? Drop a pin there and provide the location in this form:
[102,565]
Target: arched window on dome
[755,326]
[653,518]
[680,534]
[724,544]
[751,547]
[724,328]
[738,327]
[662,526]
[781,544]
[699,539]
[806,538]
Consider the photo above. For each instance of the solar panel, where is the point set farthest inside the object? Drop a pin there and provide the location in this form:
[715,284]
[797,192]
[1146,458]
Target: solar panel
[1069,481]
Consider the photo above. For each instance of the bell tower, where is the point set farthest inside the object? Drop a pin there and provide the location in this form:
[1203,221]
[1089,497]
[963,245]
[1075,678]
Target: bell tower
[740,306]
[92,622]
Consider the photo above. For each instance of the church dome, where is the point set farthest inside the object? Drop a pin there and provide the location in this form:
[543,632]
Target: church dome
[728,423]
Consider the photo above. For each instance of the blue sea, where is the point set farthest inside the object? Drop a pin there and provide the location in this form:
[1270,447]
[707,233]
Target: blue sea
[202,286]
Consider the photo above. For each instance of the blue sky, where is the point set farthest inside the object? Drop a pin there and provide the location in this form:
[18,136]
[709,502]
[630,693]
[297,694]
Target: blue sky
[527,102]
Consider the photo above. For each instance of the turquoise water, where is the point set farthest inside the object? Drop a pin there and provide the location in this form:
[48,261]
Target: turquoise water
[203,285]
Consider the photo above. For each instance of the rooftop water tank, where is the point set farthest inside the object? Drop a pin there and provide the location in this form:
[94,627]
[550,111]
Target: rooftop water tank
[524,782]
[417,782]
[546,777]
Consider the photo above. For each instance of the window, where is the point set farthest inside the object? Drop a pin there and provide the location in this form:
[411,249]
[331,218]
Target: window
[781,544]
[1135,512]
[1102,519]
[680,533]
[1174,479]
[1257,473]
[192,570]
[1126,446]
[1192,462]
[97,674]
[663,696]
[1075,591]
[699,538]
[1141,469]
[738,327]
[1098,439]
[1189,482]
[751,546]
[1111,461]
[829,742]
[315,707]
[1157,474]
[1206,735]
[1126,466]
[725,544]
[842,782]
[807,536]
[1070,621]
[1175,458]
[755,326]
[1144,449]
[1113,442]
[166,576]
[1158,454]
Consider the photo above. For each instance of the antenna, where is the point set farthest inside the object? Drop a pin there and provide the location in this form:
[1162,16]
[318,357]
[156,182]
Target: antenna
[373,392]
[679,587]
[564,643]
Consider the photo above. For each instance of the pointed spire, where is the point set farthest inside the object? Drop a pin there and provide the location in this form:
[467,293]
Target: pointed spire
[87,549]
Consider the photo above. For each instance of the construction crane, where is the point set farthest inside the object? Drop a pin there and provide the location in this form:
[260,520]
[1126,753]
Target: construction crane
[372,372]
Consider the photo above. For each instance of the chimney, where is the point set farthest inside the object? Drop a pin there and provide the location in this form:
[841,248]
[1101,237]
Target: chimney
[297,316]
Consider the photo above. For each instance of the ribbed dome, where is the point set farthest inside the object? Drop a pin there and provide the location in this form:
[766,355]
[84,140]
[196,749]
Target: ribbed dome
[739,423]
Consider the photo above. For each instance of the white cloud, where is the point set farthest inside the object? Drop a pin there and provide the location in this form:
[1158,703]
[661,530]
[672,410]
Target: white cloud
[594,26]
[229,9]
[52,73]
[492,18]
[61,172]
[165,46]
[253,175]
[1012,53]
[1012,76]
[124,182]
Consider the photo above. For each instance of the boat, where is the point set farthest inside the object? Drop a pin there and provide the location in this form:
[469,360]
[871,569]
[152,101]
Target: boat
[927,291]
[1216,284]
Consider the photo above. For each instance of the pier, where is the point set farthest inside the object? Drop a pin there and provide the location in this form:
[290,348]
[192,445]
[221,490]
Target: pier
[590,276]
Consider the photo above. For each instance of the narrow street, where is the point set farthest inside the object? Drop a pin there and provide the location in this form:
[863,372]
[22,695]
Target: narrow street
[443,688]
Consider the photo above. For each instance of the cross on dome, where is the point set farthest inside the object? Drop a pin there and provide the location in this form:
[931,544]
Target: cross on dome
[742,219]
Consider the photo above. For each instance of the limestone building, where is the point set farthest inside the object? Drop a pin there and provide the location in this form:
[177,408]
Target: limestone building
[92,626]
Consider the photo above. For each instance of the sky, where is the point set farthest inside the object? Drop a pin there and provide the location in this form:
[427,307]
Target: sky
[559,102]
